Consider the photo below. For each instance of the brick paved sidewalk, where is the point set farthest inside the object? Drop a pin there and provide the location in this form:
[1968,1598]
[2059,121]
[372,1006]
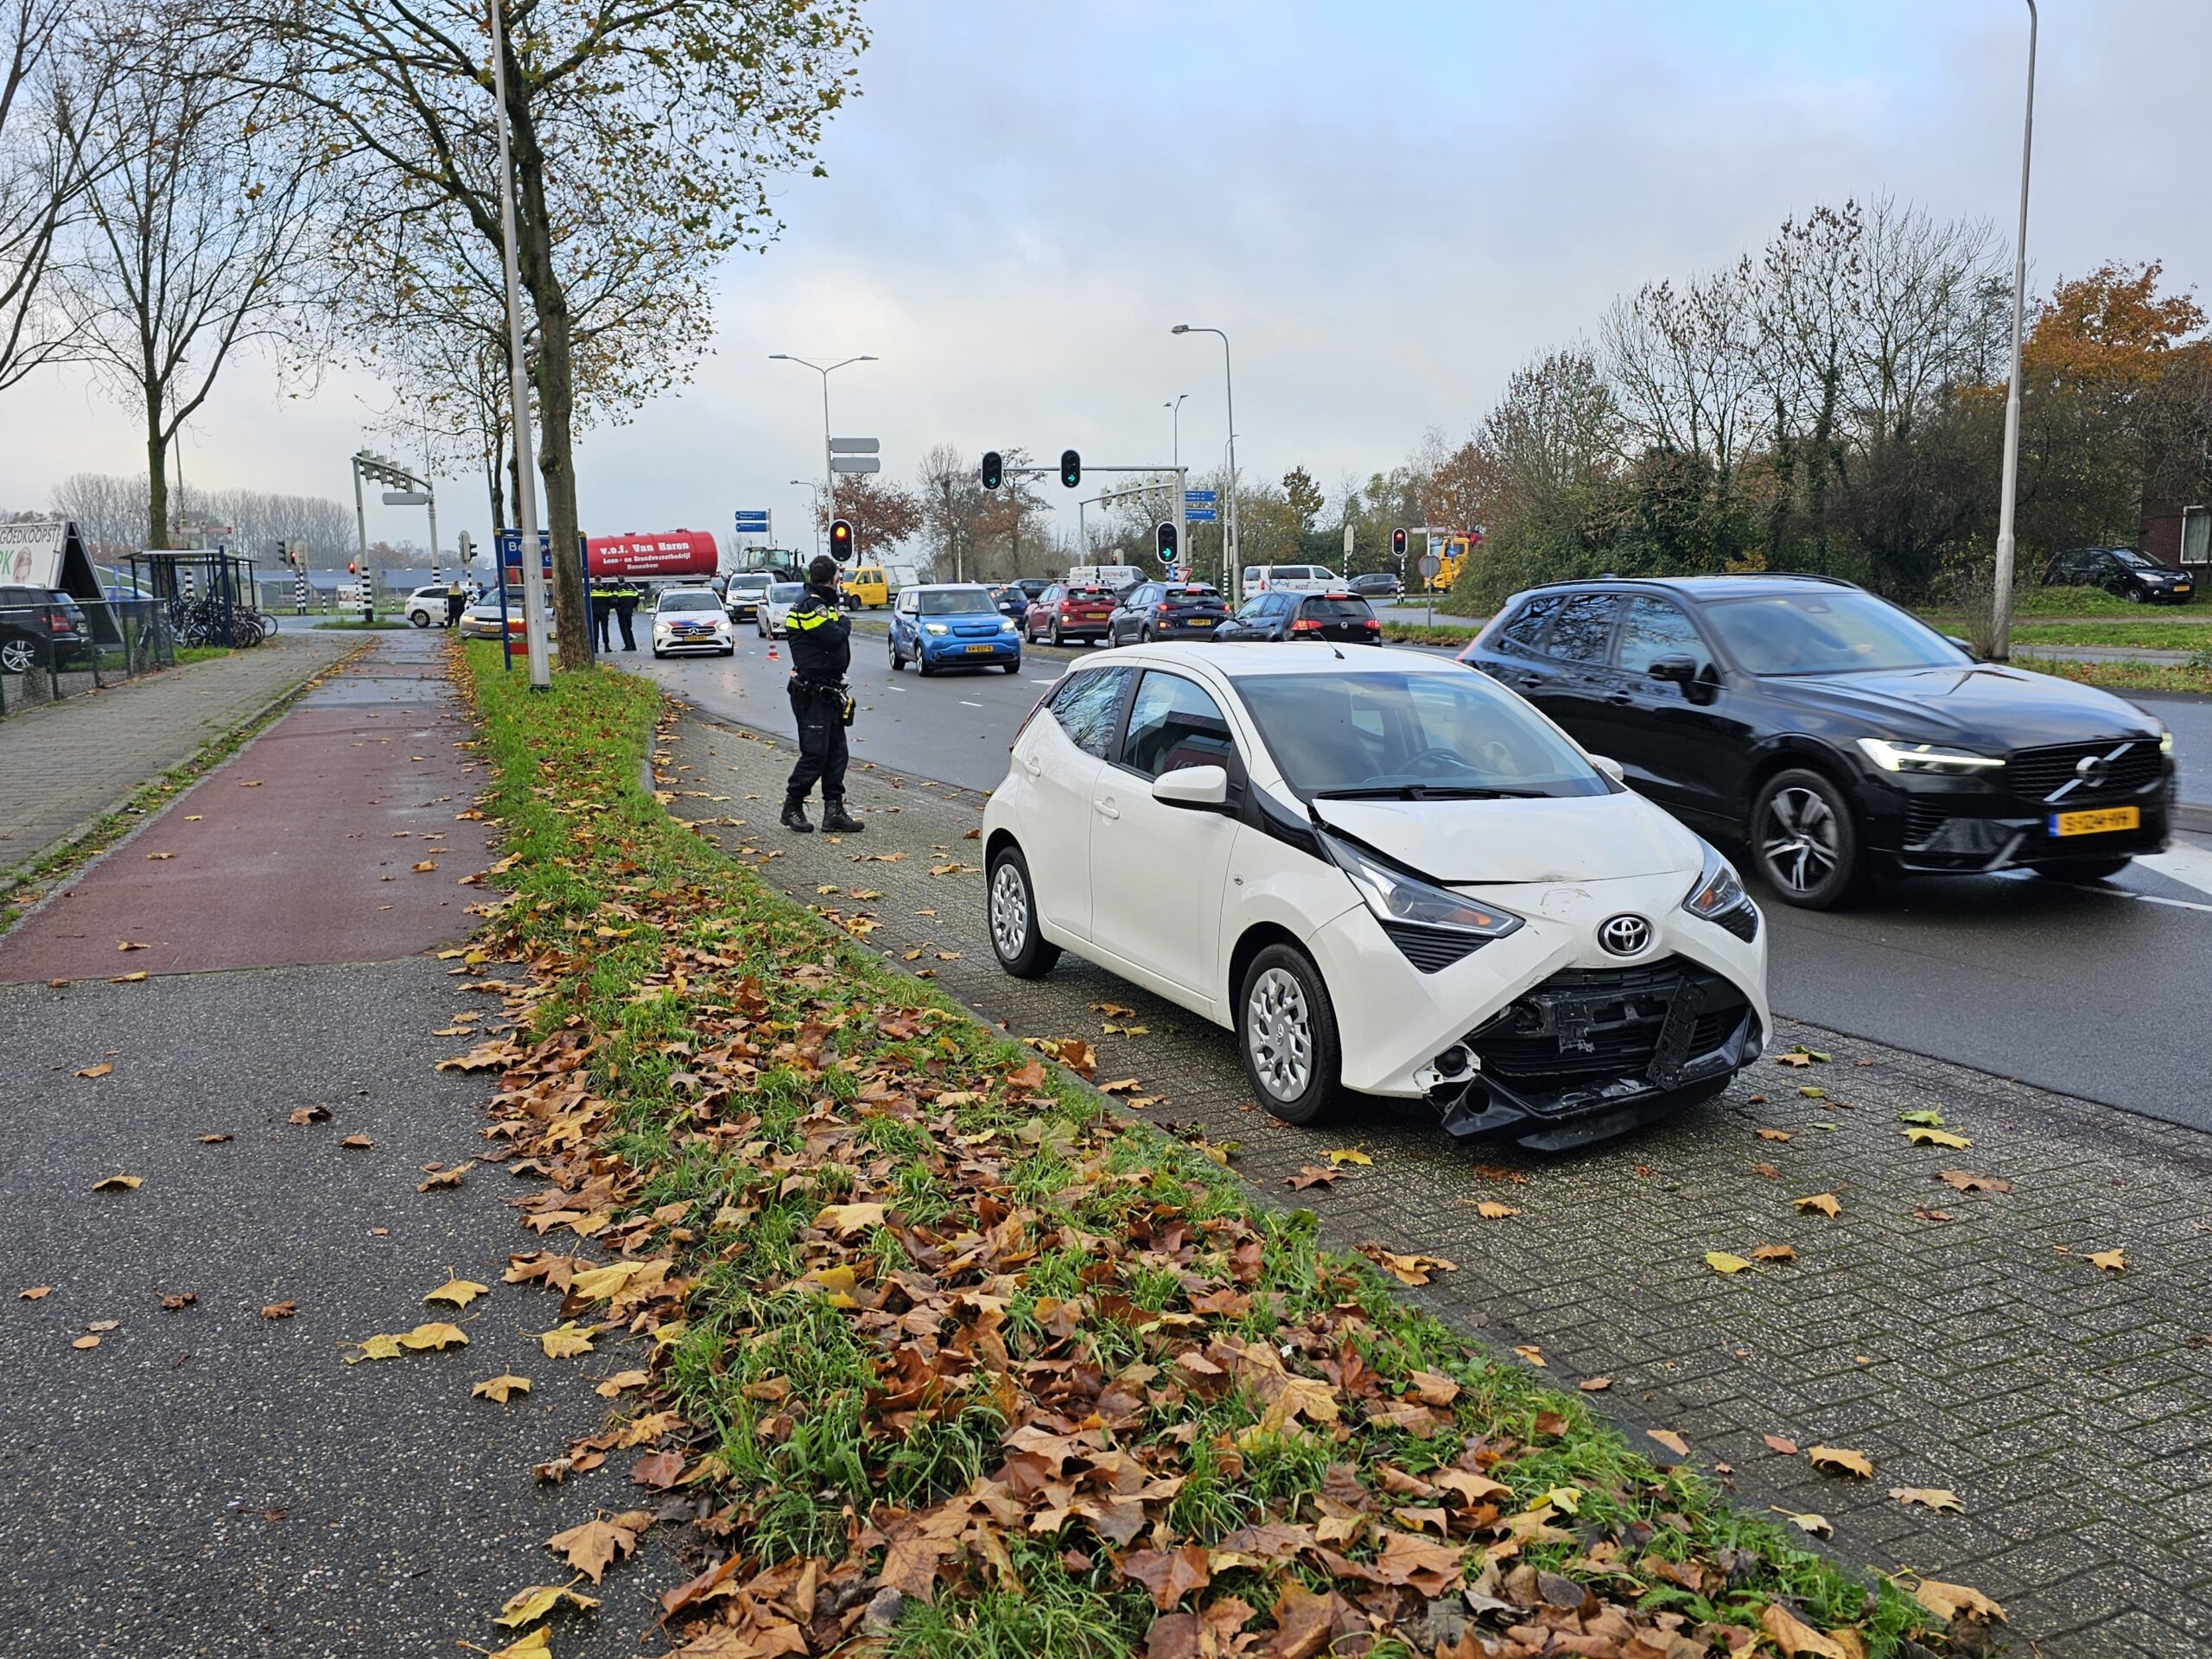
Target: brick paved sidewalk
[2069,1409]
[64,764]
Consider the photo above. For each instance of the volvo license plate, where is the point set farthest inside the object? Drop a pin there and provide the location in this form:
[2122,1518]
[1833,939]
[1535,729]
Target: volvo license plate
[2099,822]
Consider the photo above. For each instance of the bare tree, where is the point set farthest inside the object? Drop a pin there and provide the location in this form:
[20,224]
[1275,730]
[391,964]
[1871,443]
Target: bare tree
[1684,365]
[665,126]
[43,109]
[189,229]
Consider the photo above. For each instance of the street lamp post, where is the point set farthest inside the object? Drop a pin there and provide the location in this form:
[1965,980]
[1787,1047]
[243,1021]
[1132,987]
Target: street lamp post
[808,484]
[1175,429]
[533,573]
[2001,610]
[829,457]
[1228,547]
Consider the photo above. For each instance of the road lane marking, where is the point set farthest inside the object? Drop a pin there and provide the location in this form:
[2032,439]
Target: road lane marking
[2191,866]
[965,703]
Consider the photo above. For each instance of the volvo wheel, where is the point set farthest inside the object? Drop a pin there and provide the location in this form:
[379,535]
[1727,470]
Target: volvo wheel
[1805,841]
[1022,950]
[1287,1034]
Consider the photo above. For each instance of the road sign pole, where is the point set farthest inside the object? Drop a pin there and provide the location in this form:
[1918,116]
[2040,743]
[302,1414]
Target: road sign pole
[1183,523]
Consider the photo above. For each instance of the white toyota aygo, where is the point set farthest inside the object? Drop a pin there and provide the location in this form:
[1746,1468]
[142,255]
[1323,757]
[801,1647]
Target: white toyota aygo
[1388,876]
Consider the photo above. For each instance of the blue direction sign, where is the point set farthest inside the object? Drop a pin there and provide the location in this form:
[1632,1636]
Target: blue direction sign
[751,522]
[509,542]
[1199,516]
[1201,498]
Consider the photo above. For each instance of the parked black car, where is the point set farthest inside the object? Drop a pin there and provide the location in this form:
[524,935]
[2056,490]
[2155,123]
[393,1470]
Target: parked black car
[2121,570]
[1011,600]
[39,627]
[1344,618]
[1165,610]
[1838,736]
[1377,584]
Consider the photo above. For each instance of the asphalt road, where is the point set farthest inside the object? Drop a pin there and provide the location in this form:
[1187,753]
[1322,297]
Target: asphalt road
[2097,992]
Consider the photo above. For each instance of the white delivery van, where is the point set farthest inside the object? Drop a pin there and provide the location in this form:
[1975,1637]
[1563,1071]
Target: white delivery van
[1114,578]
[1289,578]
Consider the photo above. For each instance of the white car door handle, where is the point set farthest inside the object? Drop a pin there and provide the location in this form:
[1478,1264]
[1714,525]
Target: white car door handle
[1107,808]
[1035,768]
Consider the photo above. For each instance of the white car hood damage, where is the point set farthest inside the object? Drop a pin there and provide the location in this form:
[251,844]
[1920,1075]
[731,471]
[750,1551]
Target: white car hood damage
[1491,842]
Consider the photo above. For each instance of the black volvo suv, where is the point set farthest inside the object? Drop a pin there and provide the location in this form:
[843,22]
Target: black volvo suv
[1837,736]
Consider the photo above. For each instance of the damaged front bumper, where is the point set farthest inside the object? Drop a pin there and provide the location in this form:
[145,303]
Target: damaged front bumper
[1591,1052]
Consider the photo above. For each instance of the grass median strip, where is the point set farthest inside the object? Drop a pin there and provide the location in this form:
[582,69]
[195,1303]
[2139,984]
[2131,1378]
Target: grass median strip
[944,1358]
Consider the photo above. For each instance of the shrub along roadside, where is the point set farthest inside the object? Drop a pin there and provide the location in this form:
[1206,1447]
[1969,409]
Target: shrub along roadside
[947,1358]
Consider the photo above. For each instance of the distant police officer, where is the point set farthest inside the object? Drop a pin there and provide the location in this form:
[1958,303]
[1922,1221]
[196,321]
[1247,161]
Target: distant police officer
[625,607]
[821,647]
[456,603]
[602,609]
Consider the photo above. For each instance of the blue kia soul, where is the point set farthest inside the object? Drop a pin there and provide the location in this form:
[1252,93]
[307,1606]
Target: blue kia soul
[952,624]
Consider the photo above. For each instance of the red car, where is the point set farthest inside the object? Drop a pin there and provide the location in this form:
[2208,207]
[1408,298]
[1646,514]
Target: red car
[1063,613]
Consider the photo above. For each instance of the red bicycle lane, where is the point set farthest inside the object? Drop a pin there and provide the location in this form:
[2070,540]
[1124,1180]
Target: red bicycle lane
[336,835]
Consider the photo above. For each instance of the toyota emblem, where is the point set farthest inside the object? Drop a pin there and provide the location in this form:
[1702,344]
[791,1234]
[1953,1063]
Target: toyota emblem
[1624,935]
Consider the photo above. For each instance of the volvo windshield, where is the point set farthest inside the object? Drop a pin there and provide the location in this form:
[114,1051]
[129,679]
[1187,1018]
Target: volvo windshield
[1827,632]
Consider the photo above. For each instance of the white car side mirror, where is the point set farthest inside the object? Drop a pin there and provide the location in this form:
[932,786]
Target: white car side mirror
[1611,767]
[1199,786]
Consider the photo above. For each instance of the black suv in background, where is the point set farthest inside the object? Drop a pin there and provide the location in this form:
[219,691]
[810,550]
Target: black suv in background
[1165,610]
[2123,571]
[1836,735]
[39,627]
[1342,618]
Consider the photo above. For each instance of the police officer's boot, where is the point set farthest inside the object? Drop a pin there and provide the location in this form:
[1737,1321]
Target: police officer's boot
[836,820]
[795,814]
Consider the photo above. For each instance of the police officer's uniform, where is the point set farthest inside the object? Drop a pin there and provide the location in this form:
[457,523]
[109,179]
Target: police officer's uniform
[602,609]
[625,607]
[820,637]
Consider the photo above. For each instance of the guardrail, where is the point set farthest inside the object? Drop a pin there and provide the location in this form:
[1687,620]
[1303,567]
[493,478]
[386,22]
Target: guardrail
[52,650]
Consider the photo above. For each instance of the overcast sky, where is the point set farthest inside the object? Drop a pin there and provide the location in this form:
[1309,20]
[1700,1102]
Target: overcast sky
[1388,205]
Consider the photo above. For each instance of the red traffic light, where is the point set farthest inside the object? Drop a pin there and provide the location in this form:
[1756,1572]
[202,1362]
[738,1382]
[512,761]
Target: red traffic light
[1398,542]
[350,570]
[841,540]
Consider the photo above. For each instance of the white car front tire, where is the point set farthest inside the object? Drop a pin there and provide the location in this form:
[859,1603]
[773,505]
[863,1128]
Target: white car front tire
[1286,1035]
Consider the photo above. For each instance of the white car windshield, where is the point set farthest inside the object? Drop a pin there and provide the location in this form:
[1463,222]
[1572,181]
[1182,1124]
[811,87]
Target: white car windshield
[953,601]
[751,584]
[1413,736]
[1828,633]
[690,601]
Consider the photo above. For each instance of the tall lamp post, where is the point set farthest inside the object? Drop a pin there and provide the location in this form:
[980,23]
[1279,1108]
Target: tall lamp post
[533,573]
[828,459]
[2000,609]
[1175,429]
[809,484]
[1228,546]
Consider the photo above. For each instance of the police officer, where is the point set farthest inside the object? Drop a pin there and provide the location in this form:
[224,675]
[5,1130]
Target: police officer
[821,647]
[456,603]
[625,607]
[602,609]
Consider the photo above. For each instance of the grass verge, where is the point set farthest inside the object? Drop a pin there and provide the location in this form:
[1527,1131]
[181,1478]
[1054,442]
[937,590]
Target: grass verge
[200,653]
[2141,633]
[949,1359]
[2125,675]
[1415,633]
[29,882]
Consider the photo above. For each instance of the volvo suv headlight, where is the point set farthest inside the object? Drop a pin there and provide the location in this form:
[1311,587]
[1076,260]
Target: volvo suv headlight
[1925,758]
[1394,896]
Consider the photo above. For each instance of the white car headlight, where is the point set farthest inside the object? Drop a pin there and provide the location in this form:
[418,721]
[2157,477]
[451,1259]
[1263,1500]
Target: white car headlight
[935,627]
[1717,889]
[2165,742]
[1925,758]
[1394,896]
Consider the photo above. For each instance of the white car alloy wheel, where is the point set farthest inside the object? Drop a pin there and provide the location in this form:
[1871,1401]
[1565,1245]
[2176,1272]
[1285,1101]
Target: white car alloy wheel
[1279,1031]
[1022,950]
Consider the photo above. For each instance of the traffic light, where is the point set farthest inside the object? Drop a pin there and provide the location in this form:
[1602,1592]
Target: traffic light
[994,469]
[351,569]
[1166,534]
[1071,468]
[1398,543]
[841,541]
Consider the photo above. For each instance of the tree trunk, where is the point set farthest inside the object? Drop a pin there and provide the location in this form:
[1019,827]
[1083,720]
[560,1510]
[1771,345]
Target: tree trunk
[556,379]
[157,474]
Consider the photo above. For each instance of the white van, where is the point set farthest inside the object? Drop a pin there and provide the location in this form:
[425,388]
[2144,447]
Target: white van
[1114,578]
[1291,578]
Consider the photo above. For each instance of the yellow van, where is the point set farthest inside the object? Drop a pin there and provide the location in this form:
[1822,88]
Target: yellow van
[865,585]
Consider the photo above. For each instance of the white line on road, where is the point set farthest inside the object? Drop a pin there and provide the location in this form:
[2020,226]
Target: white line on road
[2191,866]
[965,703]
